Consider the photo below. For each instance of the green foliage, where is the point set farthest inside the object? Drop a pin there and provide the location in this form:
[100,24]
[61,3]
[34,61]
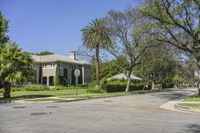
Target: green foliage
[45,53]
[158,65]
[39,88]
[57,77]
[96,35]
[58,88]
[110,68]
[15,65]
[3,30]
[120,86]
[96,90]
[178,79]
[176,23]
[29,88]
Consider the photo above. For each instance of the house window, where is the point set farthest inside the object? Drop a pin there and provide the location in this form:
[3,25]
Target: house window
[53,65]
[61,65]
[44,65]
[72,67]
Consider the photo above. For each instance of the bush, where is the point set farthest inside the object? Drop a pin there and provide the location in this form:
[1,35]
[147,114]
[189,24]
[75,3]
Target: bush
[29,88]
[120,86]
[82,85]
[35,88]
[168,85]
[58,88]
[96,91]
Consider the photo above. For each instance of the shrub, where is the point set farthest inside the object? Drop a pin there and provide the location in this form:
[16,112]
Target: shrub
[82,85]
[58,88]
[120,86]
[168,85]
[35,88]
[29,88]
[96,91]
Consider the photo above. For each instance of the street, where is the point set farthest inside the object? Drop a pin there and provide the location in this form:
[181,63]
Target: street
[124,114]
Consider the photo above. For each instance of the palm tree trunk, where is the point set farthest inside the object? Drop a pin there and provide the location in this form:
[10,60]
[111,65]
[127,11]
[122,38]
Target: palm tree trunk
[6,93]
[97,67]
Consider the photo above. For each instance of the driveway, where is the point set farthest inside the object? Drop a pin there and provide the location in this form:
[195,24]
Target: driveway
[125,114]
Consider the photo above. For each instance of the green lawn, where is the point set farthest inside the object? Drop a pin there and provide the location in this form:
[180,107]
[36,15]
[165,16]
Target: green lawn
[193,99]
[63,95]
[190,105]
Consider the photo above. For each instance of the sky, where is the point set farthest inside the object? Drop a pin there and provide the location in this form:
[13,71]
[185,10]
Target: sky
[54,25]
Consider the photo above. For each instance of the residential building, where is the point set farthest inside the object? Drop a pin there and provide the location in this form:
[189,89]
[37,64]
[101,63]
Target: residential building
[49,67]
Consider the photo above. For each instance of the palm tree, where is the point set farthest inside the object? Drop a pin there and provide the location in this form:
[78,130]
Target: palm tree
[15,67]
[96,36]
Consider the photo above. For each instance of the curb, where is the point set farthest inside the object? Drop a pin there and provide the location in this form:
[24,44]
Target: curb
[182,108]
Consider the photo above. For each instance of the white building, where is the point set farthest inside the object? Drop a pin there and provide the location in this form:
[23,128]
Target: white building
[46,68]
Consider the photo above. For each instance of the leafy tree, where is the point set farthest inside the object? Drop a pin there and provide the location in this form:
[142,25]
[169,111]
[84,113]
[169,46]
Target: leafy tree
[176,22]
[96,36]
[57,77]
[129,34]
[177,80]
[15,67]
[45,53]
[110,68]
[157,65]
[3,30]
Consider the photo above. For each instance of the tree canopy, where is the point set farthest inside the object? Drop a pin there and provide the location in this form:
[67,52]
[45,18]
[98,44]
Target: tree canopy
[45,53]
[96,36]
[3,30]
[15,67]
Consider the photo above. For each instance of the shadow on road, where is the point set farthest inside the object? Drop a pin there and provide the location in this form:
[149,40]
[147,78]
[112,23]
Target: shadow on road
[172,96]
[193,128]
[30,97]
[176,95]
[23,97]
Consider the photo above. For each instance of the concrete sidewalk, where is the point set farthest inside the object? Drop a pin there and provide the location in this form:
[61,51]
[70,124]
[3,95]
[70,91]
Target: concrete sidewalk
[173,105]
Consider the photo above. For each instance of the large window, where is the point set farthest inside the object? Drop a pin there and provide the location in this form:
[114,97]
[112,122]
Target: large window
[49,65]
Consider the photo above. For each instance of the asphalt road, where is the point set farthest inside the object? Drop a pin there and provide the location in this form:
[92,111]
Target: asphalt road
[126,114]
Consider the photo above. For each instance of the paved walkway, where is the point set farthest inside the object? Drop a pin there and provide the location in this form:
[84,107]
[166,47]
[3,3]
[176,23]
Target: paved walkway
[126,114]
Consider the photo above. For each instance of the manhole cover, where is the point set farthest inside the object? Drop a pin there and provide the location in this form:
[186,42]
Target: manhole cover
[107,101]
[51,106]
[40,113]
[19,107]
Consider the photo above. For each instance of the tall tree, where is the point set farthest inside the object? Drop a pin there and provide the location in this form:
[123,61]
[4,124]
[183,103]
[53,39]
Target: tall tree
[96,36]
[3,30]
[45,53]
[129,34]
[15,67]
[157,65]
[176,22]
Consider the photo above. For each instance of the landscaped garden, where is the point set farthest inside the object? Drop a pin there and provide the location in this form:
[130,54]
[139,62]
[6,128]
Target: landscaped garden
[37,93]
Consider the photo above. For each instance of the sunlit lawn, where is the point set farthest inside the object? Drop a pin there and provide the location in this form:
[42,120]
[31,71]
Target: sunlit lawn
[63,95]
[190,105]
[195,99]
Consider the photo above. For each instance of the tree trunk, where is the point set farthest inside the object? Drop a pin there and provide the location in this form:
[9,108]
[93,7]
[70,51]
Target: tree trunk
[128,84]
[6,92]
[129,80]
[198,84]
[152,85]
[161,85]
[97,67]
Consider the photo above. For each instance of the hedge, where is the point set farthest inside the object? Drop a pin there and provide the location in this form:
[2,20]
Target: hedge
[121,86]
